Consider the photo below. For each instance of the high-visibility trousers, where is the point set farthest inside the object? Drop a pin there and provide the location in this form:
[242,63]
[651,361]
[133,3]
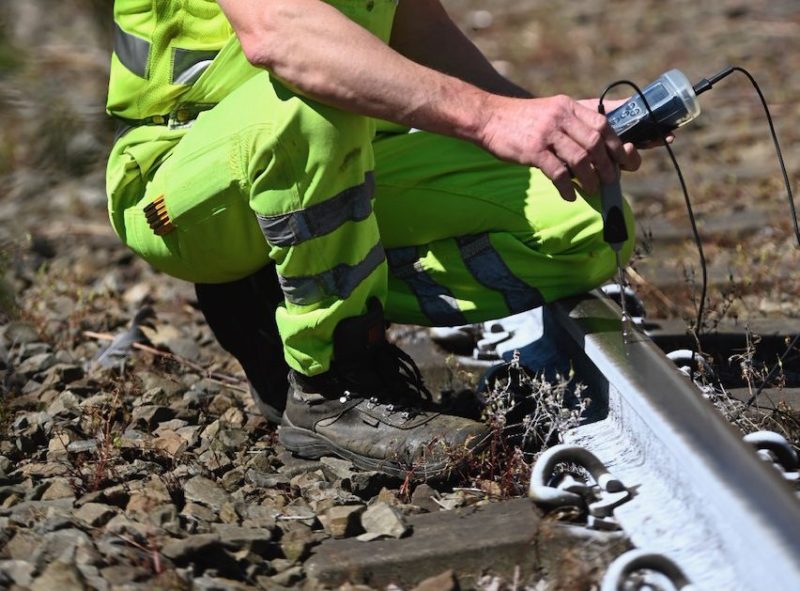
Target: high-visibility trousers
[440,231]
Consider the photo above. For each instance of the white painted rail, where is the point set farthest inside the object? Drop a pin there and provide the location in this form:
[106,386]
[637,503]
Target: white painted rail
[702,497]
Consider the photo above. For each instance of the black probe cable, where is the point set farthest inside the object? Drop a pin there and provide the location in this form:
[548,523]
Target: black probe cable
[695,233]
[707,83]
[704,85]
[699,88]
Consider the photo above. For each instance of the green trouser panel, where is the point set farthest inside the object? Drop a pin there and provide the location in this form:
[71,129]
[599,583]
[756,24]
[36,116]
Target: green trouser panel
[268,175]
[304,169]
[470,238]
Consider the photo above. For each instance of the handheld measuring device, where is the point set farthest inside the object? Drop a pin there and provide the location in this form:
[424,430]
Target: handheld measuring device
[665,104]
[671,100]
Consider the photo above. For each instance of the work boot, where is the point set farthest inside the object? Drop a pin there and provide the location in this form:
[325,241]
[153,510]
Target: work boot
[372,408]
[241,314]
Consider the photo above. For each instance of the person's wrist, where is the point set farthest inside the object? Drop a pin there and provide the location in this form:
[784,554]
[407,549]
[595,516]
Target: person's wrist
[482,115]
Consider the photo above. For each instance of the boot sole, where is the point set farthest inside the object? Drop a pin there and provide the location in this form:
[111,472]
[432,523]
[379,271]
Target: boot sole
[307,444]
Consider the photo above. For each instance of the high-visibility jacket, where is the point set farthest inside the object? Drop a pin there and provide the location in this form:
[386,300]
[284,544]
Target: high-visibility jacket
[175,58]
[171,60]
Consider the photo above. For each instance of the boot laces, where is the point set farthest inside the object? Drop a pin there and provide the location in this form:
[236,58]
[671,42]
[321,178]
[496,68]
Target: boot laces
[390,378]
[403,381]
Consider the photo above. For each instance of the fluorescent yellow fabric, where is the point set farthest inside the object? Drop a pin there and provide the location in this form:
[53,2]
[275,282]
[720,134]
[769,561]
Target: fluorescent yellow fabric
[450,234]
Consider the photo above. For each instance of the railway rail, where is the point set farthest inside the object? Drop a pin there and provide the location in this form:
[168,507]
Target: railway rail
[702,509]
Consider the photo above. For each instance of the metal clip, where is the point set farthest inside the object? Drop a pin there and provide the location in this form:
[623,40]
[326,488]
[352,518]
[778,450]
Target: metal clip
[600,500]
[774,448]
[622,572]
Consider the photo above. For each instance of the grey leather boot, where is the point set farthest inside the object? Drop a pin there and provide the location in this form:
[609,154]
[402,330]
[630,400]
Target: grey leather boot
[372,408]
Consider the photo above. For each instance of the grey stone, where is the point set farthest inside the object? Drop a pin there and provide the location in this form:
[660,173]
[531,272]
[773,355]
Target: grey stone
[194,511]
[22,545]
[207,583]
[59,488]
[171,425]
[182,551]
[183,347]
[57,520]
[190,434]
[19,571]
[36,364]
[96,514]
[153,493]
[19,332]
[82,445]
[343,521]
[231,513]
[163,515]
[236,536]
[61,576]
[151,415]
[170,387]
[231,438]
[122,525]
[296,543]
[292,466]
[120,574]
[91,574]
[134,439]
[61,546]
[423,497]
[30,421]
[260,516]
[366,485]
[17,490]
[67,404]
[215,460]
[385,520]
[202,490]
[117,495]
[336,468]
[445,581]
[28,513]
[290,577]
[233,479]
[264,480]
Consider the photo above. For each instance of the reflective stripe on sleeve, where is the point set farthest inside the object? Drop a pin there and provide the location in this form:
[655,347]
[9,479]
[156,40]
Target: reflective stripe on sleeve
[337,282]
[490,270]
[189,64]
[435,300]
[290,229]
[132,51]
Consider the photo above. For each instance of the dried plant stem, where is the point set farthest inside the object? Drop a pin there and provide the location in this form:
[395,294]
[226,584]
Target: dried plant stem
[229,381]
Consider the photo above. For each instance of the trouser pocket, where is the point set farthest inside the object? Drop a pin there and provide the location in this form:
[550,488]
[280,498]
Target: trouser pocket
[204,230]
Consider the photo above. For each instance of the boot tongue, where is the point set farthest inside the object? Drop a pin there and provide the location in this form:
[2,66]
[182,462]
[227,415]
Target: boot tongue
[357,342]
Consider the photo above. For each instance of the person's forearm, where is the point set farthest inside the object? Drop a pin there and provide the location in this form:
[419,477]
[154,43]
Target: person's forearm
[303,43]
[322,54]
[424,33]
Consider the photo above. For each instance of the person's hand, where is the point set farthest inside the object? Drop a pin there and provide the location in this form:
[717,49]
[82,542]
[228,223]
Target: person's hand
[560,136]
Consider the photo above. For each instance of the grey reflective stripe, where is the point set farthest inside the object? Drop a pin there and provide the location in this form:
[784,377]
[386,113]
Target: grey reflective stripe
[132,51]
[189,64]
[338,282]
[289,229]
[490,270]
[435,300]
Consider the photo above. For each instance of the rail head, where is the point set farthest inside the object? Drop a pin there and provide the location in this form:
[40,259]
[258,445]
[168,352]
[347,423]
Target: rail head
[740,494]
